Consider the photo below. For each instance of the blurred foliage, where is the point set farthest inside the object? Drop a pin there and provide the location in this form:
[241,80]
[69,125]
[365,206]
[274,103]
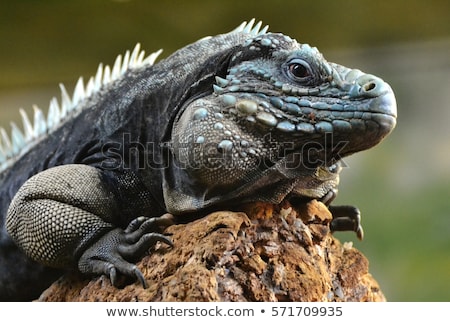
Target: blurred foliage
[46,40]
[406,234]
[401,187]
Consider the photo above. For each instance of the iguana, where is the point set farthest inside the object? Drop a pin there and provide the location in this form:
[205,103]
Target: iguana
[244,116]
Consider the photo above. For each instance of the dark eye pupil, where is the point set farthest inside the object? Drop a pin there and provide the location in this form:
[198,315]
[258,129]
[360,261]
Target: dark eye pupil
[298,70]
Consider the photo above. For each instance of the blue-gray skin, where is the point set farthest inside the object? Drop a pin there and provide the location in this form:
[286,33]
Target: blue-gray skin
[240,117]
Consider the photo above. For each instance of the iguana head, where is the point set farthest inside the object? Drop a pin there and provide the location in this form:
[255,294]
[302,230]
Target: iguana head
[278,120]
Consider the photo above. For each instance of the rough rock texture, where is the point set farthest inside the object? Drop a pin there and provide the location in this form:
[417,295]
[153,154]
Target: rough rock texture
[268,253]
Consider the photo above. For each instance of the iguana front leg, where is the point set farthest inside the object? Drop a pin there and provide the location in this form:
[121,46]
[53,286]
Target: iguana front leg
[67,216]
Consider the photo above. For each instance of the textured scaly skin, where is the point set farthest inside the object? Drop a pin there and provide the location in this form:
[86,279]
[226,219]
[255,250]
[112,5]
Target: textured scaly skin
[234,118]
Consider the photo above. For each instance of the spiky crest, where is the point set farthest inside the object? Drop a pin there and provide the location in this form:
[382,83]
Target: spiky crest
[22,140]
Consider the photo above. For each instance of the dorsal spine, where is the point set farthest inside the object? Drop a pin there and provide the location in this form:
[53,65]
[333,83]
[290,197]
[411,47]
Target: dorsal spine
[20,141]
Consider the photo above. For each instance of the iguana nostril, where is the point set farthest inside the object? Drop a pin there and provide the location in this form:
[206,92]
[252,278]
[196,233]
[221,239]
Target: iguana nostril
[369,86]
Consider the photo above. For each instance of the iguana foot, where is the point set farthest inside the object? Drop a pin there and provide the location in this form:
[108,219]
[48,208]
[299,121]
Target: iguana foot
[116,250]
[346,218]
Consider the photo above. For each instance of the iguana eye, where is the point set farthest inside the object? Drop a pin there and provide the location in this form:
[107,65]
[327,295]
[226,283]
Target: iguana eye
[299,70]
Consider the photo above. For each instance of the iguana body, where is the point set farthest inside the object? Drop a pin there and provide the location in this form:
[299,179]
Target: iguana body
[234,118]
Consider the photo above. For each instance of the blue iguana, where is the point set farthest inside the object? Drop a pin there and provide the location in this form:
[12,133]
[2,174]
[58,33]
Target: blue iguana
[240,117]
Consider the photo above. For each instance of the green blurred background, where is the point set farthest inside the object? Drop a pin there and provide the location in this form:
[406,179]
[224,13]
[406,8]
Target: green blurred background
[402,186]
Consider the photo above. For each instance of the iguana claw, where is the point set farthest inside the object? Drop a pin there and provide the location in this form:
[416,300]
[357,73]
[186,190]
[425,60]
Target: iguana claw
[115,250]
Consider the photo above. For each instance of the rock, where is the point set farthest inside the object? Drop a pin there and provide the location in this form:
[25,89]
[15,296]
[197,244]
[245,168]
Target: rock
[267,253]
